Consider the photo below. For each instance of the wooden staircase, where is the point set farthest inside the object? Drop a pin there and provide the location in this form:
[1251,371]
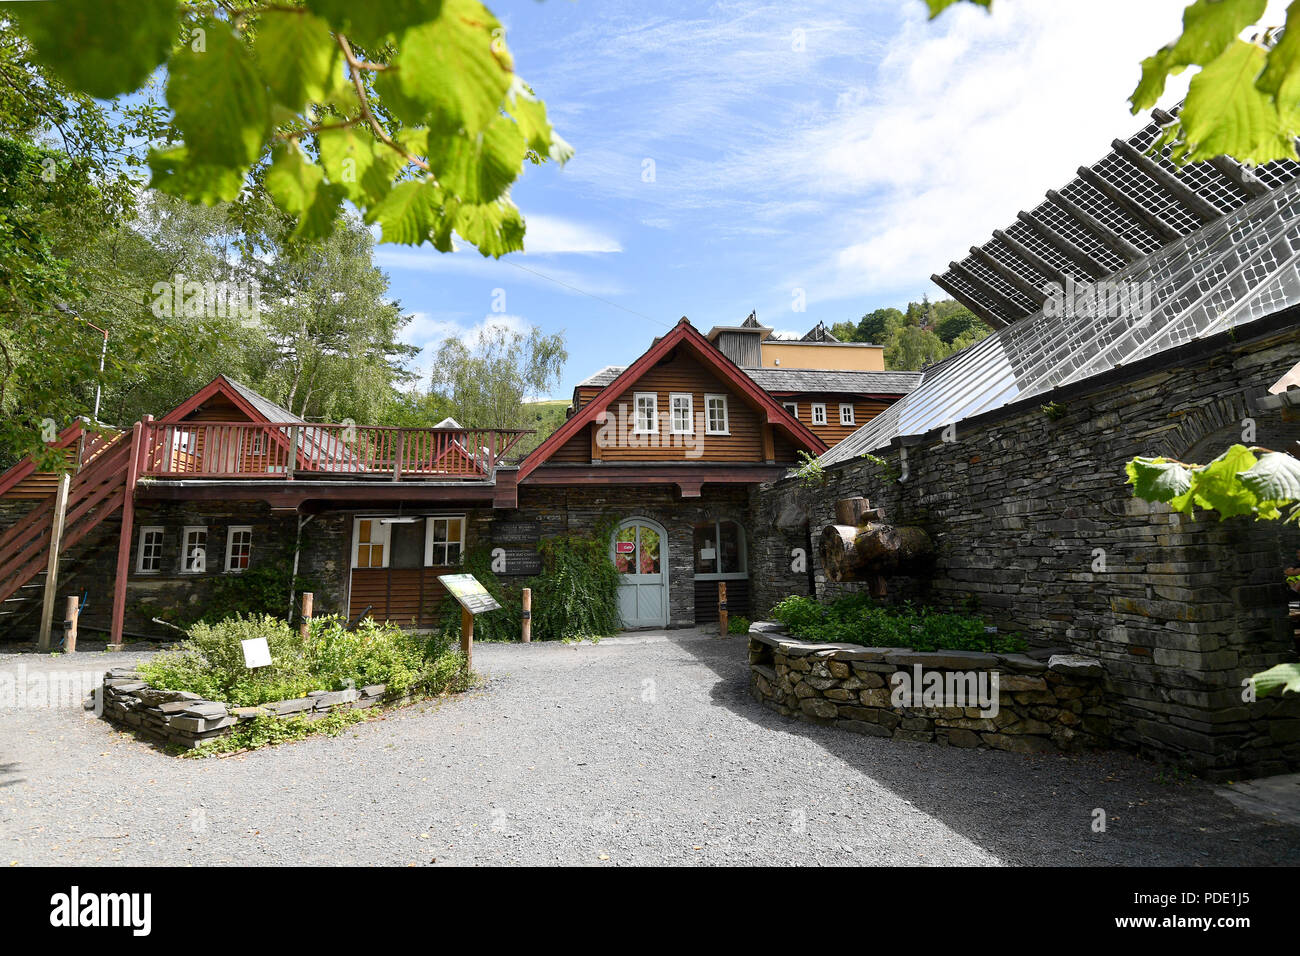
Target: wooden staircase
[97,490]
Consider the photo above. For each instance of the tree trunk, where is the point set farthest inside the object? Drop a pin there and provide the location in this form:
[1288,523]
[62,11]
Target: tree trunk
[862,553]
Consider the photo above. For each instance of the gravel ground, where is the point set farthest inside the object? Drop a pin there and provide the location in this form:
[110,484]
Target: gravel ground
[639,750]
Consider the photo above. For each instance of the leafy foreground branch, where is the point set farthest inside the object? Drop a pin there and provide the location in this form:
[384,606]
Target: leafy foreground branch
[410,111]
[1241,481]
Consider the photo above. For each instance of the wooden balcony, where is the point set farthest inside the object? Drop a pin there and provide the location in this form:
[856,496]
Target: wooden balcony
[254,450]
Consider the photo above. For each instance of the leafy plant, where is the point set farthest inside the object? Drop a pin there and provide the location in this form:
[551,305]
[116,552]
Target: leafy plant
[211,662]
[1241,481]
[267,730]
[810,470]
[1054,411]
[411,111]
[738,625]
[858,619]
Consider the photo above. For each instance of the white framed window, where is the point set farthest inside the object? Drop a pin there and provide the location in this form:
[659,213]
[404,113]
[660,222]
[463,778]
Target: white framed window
[715,415]
[370,538]
[444,540]
[819,414]
[239,547]
[846,413]
[148,552]
[791,407]
[645,413]
[194,549]
[258,445]
[682,406]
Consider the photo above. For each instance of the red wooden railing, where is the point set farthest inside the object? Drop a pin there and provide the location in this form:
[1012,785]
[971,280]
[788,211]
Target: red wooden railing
[288,450]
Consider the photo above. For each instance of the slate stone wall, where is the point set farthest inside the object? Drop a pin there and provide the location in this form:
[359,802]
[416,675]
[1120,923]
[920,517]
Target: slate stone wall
[1044,703]
[1036,529]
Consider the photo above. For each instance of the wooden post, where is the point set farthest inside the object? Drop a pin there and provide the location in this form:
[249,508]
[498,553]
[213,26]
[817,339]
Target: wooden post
[467,638]
[70,625]
[722,608]
[52,564]
[304,620]
[527,626]
[124,541]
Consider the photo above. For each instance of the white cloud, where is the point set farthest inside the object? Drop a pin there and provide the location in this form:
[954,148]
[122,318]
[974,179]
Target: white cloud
[427,331]
[548,235]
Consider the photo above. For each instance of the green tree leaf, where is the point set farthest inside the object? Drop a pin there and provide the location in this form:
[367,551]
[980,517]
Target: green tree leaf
[297,56]
[478,167]
[1282,677]
[299,187]
[937,7]
[1209,27]
[1274,479]
[360,164]
[176,174]
[449,73]
[530,113]
[409,213]
[219,99]
[102,47]
[1225,112]
[1215,486]
[495,228]
[1158,479]
[373,22]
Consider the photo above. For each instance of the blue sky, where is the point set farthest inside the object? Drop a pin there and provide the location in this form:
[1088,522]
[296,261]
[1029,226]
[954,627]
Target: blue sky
[844,151]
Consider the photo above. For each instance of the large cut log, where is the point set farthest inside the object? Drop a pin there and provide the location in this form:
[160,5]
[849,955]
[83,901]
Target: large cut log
[867,551]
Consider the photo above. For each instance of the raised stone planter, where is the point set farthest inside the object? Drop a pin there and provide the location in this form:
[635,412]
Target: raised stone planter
[1044,704]
[187,720]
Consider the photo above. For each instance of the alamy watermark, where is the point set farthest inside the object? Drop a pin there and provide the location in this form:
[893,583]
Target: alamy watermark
[184,298]
[1118,299]
[48,690]
[922,688]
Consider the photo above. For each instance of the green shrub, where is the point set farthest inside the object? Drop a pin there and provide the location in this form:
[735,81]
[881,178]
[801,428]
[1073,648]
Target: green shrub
[738,625]
[574,598]
[857,619]
[211,661]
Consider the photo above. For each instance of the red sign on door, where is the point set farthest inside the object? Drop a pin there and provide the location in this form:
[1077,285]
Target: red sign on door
[624,547]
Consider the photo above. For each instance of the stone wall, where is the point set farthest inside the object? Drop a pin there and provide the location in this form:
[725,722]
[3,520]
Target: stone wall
[1045,703]
[1036,528]
[183,719]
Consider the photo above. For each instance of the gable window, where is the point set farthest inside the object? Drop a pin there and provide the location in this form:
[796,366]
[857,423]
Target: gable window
[715,415]
[239,547]
[148,553]
[646,419]
[444,541]
[683,413]
[819,414]
[791,407]
[370,543]
[194,549]
[846,413]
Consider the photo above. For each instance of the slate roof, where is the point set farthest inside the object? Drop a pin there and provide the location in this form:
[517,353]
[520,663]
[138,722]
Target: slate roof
[603,377]
[822,380]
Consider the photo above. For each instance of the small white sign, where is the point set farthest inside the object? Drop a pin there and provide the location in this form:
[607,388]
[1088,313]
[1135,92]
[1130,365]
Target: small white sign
[256,653]
[707,554]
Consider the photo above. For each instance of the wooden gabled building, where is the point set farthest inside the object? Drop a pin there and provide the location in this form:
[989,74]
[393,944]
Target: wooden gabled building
[666,451]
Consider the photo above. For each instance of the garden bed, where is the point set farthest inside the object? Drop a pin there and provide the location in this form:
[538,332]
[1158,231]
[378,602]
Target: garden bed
[202,697]
[1045,702]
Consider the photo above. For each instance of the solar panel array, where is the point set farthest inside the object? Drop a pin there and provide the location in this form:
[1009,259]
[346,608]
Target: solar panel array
[1125,206]
[1237,268]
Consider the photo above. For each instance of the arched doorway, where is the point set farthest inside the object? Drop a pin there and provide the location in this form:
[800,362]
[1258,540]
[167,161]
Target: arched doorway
[640,553]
